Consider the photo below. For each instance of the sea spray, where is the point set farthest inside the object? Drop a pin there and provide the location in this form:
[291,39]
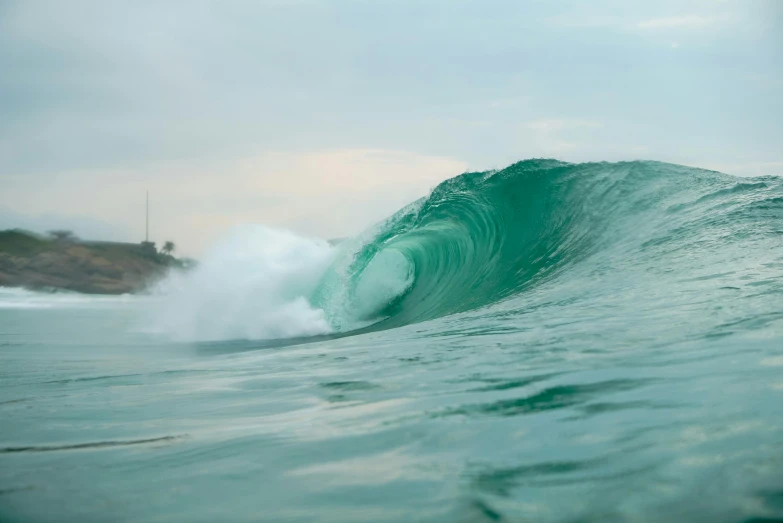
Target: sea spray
[253,284]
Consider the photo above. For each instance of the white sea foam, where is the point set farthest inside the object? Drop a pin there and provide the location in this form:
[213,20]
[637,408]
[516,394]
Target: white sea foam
[254,284]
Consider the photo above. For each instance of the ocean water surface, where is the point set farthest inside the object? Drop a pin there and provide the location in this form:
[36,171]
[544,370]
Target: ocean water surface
[550,342]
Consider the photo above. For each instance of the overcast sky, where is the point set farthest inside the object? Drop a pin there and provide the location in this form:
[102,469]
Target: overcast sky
[325,116]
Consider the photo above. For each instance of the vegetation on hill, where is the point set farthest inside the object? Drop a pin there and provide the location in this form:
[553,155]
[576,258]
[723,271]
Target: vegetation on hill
[62,261]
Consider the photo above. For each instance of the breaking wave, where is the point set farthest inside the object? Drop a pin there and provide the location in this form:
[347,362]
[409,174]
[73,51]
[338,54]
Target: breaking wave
[476,240]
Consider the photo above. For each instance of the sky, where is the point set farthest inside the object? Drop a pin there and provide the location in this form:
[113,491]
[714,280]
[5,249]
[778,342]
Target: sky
[323,117]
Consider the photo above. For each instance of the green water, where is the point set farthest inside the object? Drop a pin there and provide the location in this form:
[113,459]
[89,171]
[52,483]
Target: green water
[547,343]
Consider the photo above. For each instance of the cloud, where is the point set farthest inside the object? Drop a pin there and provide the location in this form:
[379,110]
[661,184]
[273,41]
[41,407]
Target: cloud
[559,137]
[561,125]
[769,168]
[630,20]
[677,22]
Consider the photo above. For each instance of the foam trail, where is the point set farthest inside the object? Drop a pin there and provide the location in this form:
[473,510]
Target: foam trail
[18,298]
[254,284]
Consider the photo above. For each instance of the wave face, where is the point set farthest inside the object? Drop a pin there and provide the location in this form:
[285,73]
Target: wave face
[480,239]
[484,237]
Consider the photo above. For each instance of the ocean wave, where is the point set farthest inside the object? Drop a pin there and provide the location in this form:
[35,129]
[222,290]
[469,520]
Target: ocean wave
[477,239]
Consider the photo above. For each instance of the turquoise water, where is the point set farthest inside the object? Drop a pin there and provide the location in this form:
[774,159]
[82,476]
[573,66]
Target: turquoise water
[549,342]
